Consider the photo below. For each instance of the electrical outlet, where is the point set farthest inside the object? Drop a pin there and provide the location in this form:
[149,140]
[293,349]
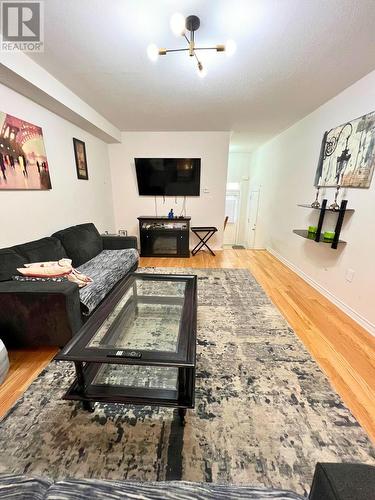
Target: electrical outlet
[349,275]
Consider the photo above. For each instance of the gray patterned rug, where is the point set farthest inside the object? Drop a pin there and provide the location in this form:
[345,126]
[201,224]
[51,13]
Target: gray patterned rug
[265,413]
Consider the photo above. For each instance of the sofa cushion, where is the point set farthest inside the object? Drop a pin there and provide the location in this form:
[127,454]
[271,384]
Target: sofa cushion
[55,279]
[9,261]
[116,490]
[42,250]
[82,243]
[17,487]
[106,269]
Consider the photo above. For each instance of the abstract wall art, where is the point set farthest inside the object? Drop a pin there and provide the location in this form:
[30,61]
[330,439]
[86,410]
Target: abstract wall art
[347,156]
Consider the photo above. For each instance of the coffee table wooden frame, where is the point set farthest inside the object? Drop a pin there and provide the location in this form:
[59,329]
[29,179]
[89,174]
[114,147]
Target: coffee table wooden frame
[88,360]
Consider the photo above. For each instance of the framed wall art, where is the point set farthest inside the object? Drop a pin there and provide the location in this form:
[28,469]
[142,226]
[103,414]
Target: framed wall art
[23,159]
[347,156]
[81,159]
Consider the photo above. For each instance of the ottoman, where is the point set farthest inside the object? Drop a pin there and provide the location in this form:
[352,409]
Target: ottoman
[4,362]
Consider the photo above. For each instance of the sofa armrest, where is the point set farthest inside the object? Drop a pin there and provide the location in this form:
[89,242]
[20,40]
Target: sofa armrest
[39,313]
[119,242]
[343,481]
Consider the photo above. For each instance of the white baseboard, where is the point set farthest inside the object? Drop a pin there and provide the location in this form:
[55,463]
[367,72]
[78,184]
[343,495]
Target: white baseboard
[358,318]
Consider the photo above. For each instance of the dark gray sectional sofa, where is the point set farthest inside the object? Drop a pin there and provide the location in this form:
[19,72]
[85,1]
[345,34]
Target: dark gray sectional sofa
[50,313]
[332,481]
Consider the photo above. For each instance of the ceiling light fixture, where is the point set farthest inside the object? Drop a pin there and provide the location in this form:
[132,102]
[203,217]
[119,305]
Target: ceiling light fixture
[180,26]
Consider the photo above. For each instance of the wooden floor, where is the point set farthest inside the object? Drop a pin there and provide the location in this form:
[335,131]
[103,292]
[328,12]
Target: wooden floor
[25,366]
[344,350]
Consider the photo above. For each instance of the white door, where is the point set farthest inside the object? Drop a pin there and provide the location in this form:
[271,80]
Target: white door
[252,217]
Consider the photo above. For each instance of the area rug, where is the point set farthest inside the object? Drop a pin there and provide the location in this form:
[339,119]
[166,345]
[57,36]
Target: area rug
[265,413]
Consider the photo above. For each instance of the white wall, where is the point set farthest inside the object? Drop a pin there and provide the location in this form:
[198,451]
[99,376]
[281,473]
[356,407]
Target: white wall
[208,209]
[27,215]
[285,168]
[238,171]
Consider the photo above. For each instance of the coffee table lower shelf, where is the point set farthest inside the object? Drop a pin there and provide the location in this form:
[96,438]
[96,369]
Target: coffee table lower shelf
[83,389]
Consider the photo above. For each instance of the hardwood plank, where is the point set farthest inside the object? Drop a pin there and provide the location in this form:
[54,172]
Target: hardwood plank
[25,366]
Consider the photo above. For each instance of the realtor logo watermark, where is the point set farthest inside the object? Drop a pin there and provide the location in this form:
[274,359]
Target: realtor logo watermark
[22,26]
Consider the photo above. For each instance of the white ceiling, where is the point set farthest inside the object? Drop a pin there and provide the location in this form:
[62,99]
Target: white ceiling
[292,55]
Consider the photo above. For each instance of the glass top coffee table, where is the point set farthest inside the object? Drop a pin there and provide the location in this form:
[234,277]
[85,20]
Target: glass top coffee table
[139,346]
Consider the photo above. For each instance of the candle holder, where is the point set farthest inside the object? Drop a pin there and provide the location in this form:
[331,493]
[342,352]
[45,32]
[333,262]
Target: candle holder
[316,203]
[335,206]
[328,235]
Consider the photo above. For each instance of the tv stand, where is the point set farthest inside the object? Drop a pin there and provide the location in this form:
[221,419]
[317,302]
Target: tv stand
[164,237]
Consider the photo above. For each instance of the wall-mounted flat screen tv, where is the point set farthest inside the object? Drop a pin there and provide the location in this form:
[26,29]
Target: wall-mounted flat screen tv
[168,176]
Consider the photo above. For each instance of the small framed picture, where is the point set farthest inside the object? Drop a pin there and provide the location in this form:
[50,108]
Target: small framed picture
[81,160]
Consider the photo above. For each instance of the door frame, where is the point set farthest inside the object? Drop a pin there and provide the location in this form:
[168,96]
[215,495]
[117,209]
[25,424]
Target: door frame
[237,193]
[248,218]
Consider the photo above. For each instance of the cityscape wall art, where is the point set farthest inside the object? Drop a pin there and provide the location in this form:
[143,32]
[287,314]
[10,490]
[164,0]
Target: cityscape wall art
[23,159]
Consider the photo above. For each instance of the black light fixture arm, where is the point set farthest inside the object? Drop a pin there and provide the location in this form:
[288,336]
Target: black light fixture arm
[195,48]
[217,48]
[175,50]
[198,61]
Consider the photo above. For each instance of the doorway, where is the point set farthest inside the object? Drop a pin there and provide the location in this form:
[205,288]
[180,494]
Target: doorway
[252,218]
[232,205]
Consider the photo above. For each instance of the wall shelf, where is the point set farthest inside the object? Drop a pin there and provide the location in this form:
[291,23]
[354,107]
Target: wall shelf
[327,209]
[311,236]
[323,209]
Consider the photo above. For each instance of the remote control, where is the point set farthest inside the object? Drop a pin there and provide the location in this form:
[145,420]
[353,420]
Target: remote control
[125,354]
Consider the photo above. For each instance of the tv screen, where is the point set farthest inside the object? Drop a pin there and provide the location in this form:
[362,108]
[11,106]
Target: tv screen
[168,176]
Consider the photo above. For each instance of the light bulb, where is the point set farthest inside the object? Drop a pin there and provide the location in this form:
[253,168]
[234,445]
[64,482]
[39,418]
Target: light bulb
[153,52]
[177,24]
[201,70]
[230,47]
